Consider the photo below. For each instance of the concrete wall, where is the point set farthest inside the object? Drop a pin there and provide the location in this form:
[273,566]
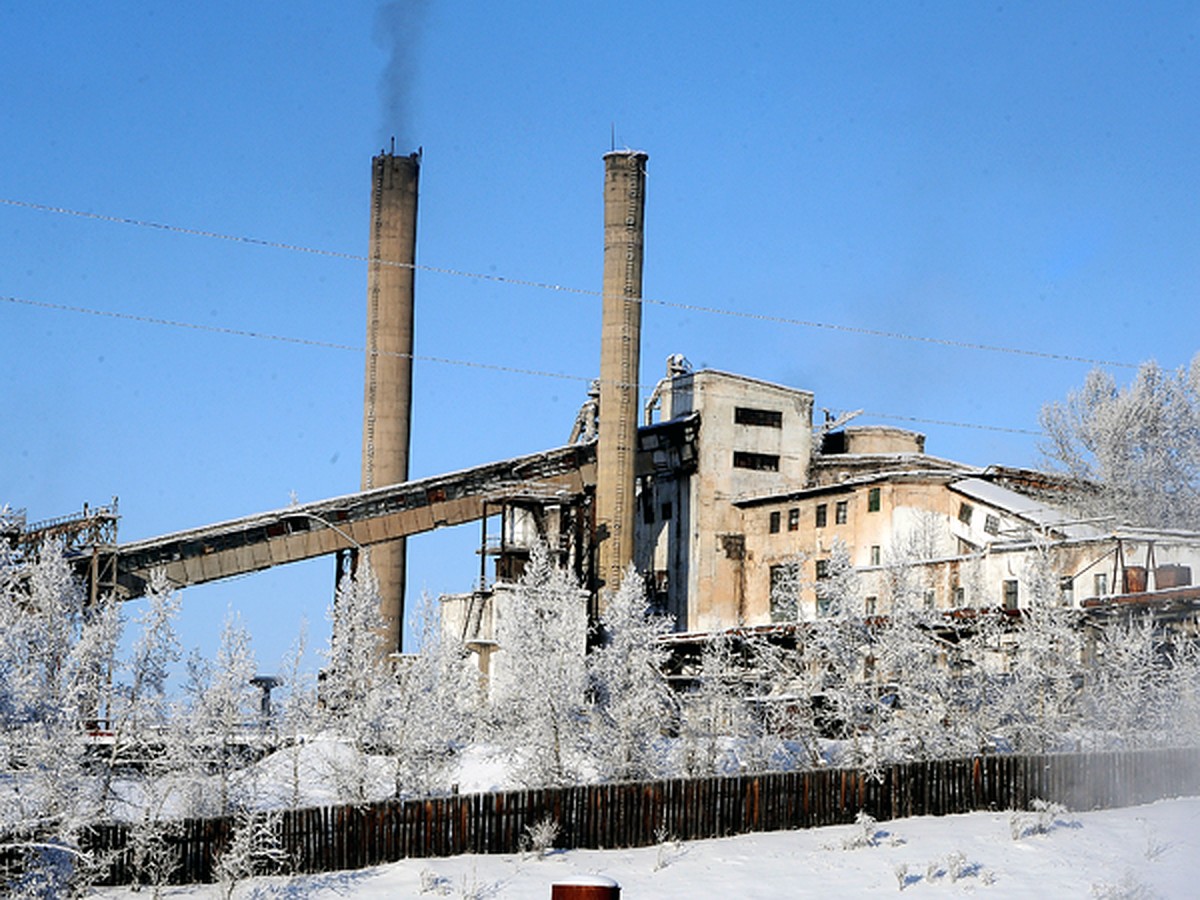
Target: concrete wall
[755,438]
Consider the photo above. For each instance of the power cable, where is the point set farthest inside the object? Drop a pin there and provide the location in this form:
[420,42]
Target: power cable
[333,345]
[541,285]
[286,339]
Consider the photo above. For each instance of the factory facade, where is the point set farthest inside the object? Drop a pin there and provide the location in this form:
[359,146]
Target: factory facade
[772,506]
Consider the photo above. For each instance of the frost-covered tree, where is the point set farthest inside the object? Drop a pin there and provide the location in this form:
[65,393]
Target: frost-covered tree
[1138,446]
[54,655]
[632,704]
[540,705]
[1041,694]
[713,711]
[358,688]
[437,707]
[296,718]
[214,728]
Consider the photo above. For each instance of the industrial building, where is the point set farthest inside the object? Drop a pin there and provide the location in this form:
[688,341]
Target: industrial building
[724,492]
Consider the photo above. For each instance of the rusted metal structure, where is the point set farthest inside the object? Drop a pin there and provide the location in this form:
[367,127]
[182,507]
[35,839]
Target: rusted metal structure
[620,352]
[88,538]
[387,401]
[372,519]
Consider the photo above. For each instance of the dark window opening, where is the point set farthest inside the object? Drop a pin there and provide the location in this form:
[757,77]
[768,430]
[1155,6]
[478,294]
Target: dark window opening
[765,418]
[667,510]
[1066,586]
[822,568]
[776,518]
[762,462]
[1010,594]
[840,512]
[822,515]
[964,513]
[873,500]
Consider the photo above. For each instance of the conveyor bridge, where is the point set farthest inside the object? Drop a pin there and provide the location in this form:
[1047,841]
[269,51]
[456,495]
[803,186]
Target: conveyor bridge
[308,530]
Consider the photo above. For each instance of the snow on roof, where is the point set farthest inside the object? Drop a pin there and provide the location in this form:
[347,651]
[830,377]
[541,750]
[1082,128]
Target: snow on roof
[1023,507]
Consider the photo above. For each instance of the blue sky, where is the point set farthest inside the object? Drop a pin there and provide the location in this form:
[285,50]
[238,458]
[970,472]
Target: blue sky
[1015,174]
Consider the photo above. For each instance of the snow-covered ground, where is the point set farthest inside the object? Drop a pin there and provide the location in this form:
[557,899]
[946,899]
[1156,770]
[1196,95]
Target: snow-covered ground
[1137,852]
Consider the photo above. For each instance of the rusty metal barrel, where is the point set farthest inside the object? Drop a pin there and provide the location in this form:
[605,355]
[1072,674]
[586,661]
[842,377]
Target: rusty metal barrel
[586,887]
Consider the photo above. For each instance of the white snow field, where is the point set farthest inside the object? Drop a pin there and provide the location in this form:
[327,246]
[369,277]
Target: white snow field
[1135,852]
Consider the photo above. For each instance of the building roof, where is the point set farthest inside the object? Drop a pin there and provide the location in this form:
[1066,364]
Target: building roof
[1021,506]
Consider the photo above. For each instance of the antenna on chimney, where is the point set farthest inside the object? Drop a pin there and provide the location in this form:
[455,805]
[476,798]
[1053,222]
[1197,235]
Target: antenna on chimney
[613,127]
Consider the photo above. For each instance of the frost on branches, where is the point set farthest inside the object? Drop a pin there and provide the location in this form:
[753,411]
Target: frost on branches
[1138,446]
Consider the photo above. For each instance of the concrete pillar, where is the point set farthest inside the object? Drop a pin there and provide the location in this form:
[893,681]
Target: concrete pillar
[620,352]
[388,394]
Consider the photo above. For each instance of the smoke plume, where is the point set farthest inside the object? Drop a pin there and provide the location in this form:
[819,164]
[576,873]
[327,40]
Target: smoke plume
[398,26]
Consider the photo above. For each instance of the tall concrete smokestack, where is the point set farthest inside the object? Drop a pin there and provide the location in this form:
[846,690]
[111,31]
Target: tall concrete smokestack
[388,398]
[620,353]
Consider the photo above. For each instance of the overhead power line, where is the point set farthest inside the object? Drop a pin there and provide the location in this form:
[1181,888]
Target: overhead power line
[285,339]
[541,285]
[353,348]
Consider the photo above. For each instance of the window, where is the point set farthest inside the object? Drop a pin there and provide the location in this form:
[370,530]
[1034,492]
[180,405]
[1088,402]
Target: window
[960,597]
[822,568]
[869,605]
[873,500]
[1100,583]
[762,462]
[840,511]
[930,599]
[991,525]
[776,516]
[964,513]
[822,515]
[785,592]
[764,418]
[667,510]
[1010,594]
[874,554]
[1066,589]
[793,519]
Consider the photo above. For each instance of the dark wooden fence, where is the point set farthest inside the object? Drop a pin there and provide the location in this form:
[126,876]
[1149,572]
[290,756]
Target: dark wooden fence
[640,814]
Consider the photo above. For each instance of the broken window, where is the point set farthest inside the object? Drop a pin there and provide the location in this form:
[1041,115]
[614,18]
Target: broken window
[822,514]
[1066,588]
[764,418]
[840,512]
[776,517]
[873,500]
[762,462]
[1010,593]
